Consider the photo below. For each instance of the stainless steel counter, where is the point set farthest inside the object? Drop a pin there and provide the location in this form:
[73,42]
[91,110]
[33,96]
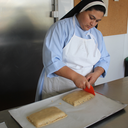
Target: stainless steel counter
[116,90]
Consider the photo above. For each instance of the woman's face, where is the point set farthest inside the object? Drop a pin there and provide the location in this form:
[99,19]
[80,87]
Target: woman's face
[89,19]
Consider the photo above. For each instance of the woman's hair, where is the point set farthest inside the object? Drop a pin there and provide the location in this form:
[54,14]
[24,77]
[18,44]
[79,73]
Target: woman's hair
[98,8]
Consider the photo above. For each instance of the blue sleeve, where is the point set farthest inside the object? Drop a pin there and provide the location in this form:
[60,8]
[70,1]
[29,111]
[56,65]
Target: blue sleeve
[53,45]
[105,57]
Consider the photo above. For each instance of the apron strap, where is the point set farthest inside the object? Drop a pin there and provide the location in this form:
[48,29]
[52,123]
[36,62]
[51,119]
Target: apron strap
[74,21]
[92,37]
[74,24]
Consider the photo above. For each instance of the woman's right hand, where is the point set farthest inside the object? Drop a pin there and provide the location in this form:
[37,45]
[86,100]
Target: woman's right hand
[81,81]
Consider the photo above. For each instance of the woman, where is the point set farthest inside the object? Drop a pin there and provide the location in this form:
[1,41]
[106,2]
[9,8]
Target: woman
[74,53]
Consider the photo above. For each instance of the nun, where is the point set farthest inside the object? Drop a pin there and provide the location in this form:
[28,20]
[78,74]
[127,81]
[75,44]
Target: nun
[74,52]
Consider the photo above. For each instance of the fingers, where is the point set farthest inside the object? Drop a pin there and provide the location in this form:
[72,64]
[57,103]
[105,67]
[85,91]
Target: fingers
[88,77]
[86,83]
[81,82]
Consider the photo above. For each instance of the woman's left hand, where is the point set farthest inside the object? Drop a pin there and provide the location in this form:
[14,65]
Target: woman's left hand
[92,77]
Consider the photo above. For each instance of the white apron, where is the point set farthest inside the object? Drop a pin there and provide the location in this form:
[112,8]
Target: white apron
[80,55]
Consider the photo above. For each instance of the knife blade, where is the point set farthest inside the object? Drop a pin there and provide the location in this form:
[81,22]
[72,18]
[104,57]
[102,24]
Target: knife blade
[90,90]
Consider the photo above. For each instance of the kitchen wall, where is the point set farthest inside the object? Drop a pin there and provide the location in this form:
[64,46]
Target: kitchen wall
[117,47]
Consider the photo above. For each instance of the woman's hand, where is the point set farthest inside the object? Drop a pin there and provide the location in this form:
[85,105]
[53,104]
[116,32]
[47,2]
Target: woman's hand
[79,80]
[92,77]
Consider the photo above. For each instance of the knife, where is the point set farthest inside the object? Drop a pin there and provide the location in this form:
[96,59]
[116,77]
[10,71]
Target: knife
[90,90]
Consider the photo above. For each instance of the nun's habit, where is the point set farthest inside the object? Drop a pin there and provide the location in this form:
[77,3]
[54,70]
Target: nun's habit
[66,44]
[82,6]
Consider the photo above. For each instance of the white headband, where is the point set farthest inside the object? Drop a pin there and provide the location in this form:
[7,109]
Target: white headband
[92,4]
